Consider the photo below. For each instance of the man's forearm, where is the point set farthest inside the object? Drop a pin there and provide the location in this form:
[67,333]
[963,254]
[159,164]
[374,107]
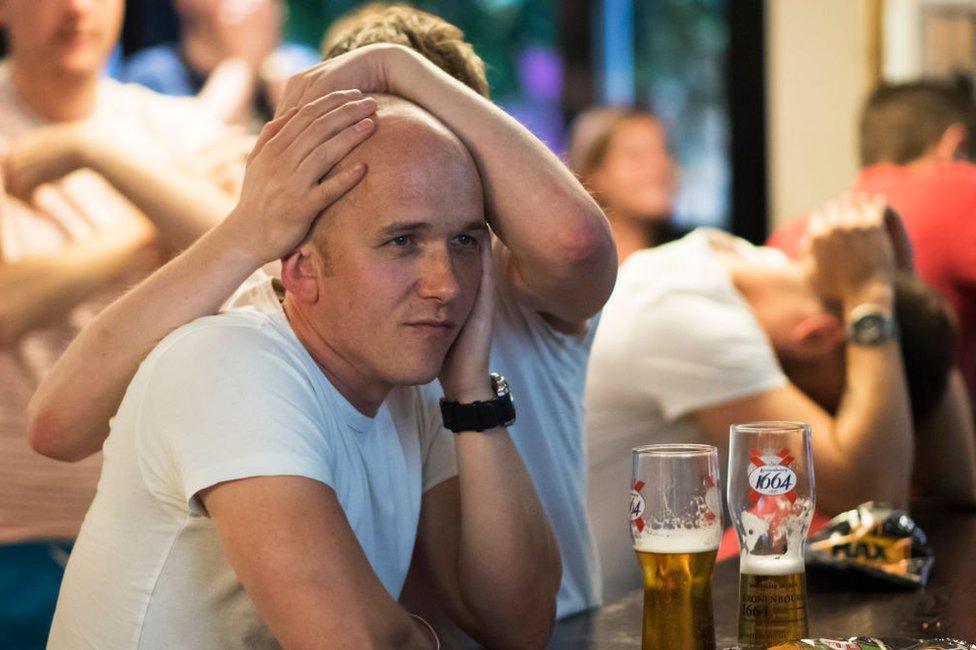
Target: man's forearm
[945,447]
[69,413]
[873,423]
[509,566]
[183,206]
[536,206]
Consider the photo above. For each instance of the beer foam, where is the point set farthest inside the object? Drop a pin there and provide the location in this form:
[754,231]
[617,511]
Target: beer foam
[770,565]
[679,540]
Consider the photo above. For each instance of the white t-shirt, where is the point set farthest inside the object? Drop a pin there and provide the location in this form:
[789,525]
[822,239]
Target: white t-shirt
[675,337]
[546,371]
[223,398]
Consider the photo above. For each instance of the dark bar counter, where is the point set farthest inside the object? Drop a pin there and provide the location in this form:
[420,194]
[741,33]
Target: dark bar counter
[840,606]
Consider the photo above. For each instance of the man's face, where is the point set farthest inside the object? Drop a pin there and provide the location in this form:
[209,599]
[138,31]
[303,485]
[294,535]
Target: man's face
[401,260]
[72,37]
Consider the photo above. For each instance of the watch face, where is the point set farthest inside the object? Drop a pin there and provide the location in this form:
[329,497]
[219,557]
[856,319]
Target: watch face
[871,328]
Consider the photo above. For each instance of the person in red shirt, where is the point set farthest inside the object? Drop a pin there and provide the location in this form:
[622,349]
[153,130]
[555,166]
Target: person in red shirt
[915,151]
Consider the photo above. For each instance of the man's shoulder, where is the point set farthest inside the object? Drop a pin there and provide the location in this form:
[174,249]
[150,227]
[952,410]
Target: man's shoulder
[670,276]
[178,123]
[224,342]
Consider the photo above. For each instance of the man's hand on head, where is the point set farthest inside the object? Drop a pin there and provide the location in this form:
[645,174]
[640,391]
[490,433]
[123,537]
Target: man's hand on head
[294,171]
[851,254]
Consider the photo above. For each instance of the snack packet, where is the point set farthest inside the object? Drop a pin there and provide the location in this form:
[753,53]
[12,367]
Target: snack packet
[867,643]
[876,540]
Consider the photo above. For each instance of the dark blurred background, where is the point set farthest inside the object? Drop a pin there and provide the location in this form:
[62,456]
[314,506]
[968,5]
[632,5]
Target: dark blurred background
[549,59]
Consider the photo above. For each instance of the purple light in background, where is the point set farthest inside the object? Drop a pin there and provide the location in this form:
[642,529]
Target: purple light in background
[538,106]
[541,73]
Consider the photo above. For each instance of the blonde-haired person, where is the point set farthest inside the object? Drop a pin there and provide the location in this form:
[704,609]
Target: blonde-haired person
[623,157]
[554,257]
[439,41]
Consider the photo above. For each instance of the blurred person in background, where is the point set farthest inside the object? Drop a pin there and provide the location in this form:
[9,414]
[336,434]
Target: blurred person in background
[915,149]
[624,160]
[230,56]
[554,259]
[101,181]
[710,331]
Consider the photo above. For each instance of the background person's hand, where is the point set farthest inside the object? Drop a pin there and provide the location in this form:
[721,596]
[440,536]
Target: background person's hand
[851,256]
[464,375]
[44,155]
[294,172]
[902,245]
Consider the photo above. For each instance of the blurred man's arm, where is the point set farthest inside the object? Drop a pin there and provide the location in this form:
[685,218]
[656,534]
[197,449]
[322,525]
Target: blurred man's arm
[40,289]
[283,194]
[945,447]
[563,260]
[862,454]
[181,204]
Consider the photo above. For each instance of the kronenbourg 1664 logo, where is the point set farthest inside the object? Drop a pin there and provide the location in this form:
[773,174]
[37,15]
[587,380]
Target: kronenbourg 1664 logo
[772,475]
[637,507]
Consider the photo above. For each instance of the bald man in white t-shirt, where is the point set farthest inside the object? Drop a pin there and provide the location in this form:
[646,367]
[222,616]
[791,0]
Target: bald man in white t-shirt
[555,261]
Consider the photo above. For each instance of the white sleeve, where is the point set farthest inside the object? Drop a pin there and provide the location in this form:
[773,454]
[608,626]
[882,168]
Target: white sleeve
[225,403]
[437,442]
[692,351]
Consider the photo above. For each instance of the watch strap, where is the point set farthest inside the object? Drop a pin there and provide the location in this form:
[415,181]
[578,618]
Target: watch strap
[478,416]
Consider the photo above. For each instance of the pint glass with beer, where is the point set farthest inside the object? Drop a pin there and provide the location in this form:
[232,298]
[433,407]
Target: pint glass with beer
[676,525]
[771,498]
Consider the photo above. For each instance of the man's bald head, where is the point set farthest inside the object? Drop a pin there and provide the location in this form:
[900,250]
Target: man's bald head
[392,269]
[414,162]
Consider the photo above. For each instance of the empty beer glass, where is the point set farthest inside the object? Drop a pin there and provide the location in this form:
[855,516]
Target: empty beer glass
[771,498]
[676,525]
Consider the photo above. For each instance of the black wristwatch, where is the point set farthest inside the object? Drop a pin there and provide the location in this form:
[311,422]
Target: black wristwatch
[869,324]
[481,415]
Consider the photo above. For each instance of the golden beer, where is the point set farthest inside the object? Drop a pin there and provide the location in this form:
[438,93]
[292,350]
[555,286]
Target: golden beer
[678,600]
[772,601]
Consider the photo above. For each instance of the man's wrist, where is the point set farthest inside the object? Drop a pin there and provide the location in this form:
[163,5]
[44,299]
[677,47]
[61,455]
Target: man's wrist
[880,294]
[231,238]
[471,393]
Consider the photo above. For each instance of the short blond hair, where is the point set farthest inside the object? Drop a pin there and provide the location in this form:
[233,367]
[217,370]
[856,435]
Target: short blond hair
[436,39]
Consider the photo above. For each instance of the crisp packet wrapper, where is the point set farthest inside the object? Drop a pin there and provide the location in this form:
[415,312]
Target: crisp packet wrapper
[876,540]
[870,643]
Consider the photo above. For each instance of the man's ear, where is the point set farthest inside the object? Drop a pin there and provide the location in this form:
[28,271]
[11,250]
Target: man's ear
[300,273]
[817,335]
[953,145]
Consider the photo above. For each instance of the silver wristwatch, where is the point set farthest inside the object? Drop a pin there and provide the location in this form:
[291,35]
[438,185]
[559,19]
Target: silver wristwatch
[870,324]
